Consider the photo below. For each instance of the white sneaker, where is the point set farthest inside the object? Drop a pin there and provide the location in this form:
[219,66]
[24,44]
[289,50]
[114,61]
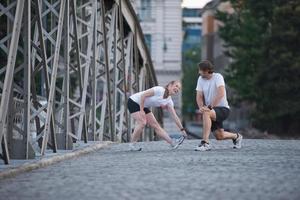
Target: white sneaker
[133,147]
[203,146]
[176,142]
[181,139]
[237,143]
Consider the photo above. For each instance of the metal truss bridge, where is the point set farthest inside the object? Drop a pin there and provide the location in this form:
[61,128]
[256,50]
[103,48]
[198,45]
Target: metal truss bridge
[67,68]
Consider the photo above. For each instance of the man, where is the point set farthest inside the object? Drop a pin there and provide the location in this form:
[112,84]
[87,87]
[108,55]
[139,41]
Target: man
[213,105]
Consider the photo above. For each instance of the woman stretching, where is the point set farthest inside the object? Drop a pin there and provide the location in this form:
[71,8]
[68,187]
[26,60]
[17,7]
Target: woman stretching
[139,107]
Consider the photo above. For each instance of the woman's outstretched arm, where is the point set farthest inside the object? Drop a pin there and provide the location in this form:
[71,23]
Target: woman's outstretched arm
[176,119]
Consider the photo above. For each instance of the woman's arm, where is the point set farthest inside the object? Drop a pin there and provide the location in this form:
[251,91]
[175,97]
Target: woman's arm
[176,119]
[147,93]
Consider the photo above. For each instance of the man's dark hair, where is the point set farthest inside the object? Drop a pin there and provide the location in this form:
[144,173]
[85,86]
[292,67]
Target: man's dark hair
[206,65]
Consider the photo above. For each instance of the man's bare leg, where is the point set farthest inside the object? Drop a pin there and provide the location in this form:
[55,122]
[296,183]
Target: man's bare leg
[207,117]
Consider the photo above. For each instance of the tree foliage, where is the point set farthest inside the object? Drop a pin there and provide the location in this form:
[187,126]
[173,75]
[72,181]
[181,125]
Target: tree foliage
[263,39]
[190,75]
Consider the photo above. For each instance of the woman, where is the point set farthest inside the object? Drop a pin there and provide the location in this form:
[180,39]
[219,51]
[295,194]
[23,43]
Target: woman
[139,104]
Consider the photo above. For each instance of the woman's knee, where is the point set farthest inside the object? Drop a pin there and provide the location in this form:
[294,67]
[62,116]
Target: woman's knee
[142,123]
[154,125]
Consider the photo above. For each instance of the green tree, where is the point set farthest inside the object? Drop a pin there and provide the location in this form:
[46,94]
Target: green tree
[189,81]
[263,38]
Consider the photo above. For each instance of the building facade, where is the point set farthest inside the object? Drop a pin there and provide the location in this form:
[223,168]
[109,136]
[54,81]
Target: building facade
[161,22]
[212,45]
[192,24]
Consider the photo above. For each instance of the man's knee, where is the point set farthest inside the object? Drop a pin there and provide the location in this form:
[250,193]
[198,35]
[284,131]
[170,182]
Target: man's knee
[219,135]
[205,114]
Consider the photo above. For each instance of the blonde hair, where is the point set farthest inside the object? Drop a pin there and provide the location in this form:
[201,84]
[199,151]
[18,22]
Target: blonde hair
[166,94]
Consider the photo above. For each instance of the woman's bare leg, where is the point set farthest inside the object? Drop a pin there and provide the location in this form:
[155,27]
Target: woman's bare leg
[158,129]
[140,124]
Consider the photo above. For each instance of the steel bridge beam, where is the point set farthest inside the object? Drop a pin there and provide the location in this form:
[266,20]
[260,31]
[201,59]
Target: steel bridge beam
[67,68]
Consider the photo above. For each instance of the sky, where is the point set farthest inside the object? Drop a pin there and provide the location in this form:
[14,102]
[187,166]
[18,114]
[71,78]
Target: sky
[194,3]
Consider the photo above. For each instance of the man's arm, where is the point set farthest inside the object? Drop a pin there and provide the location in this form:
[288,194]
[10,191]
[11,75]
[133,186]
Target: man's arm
[199,99]
[219,96]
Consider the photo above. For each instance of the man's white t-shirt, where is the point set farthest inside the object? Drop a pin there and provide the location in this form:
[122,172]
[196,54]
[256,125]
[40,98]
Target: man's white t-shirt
[209,89]
[157,100]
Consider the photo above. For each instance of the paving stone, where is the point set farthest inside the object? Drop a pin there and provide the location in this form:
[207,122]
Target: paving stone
[262,169]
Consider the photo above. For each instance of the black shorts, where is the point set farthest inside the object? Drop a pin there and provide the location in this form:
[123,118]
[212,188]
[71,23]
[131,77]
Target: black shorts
[221,114]
[135,107]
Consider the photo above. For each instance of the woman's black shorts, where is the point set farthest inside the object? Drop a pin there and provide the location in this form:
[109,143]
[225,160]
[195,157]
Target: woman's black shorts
[135,107]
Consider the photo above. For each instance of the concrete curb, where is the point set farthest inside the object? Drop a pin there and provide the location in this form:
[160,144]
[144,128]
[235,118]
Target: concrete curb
[44,162]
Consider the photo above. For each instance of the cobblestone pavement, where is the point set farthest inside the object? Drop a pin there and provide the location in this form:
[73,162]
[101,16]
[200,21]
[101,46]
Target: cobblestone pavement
[262,169]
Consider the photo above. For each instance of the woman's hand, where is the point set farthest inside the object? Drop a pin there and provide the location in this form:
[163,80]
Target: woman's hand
[143,114]
[184,133]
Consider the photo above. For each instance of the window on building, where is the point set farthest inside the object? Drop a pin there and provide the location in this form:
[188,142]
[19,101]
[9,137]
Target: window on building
[148,41]
[145,12]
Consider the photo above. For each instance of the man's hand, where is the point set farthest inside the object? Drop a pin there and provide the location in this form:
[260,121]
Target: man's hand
[204,109]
